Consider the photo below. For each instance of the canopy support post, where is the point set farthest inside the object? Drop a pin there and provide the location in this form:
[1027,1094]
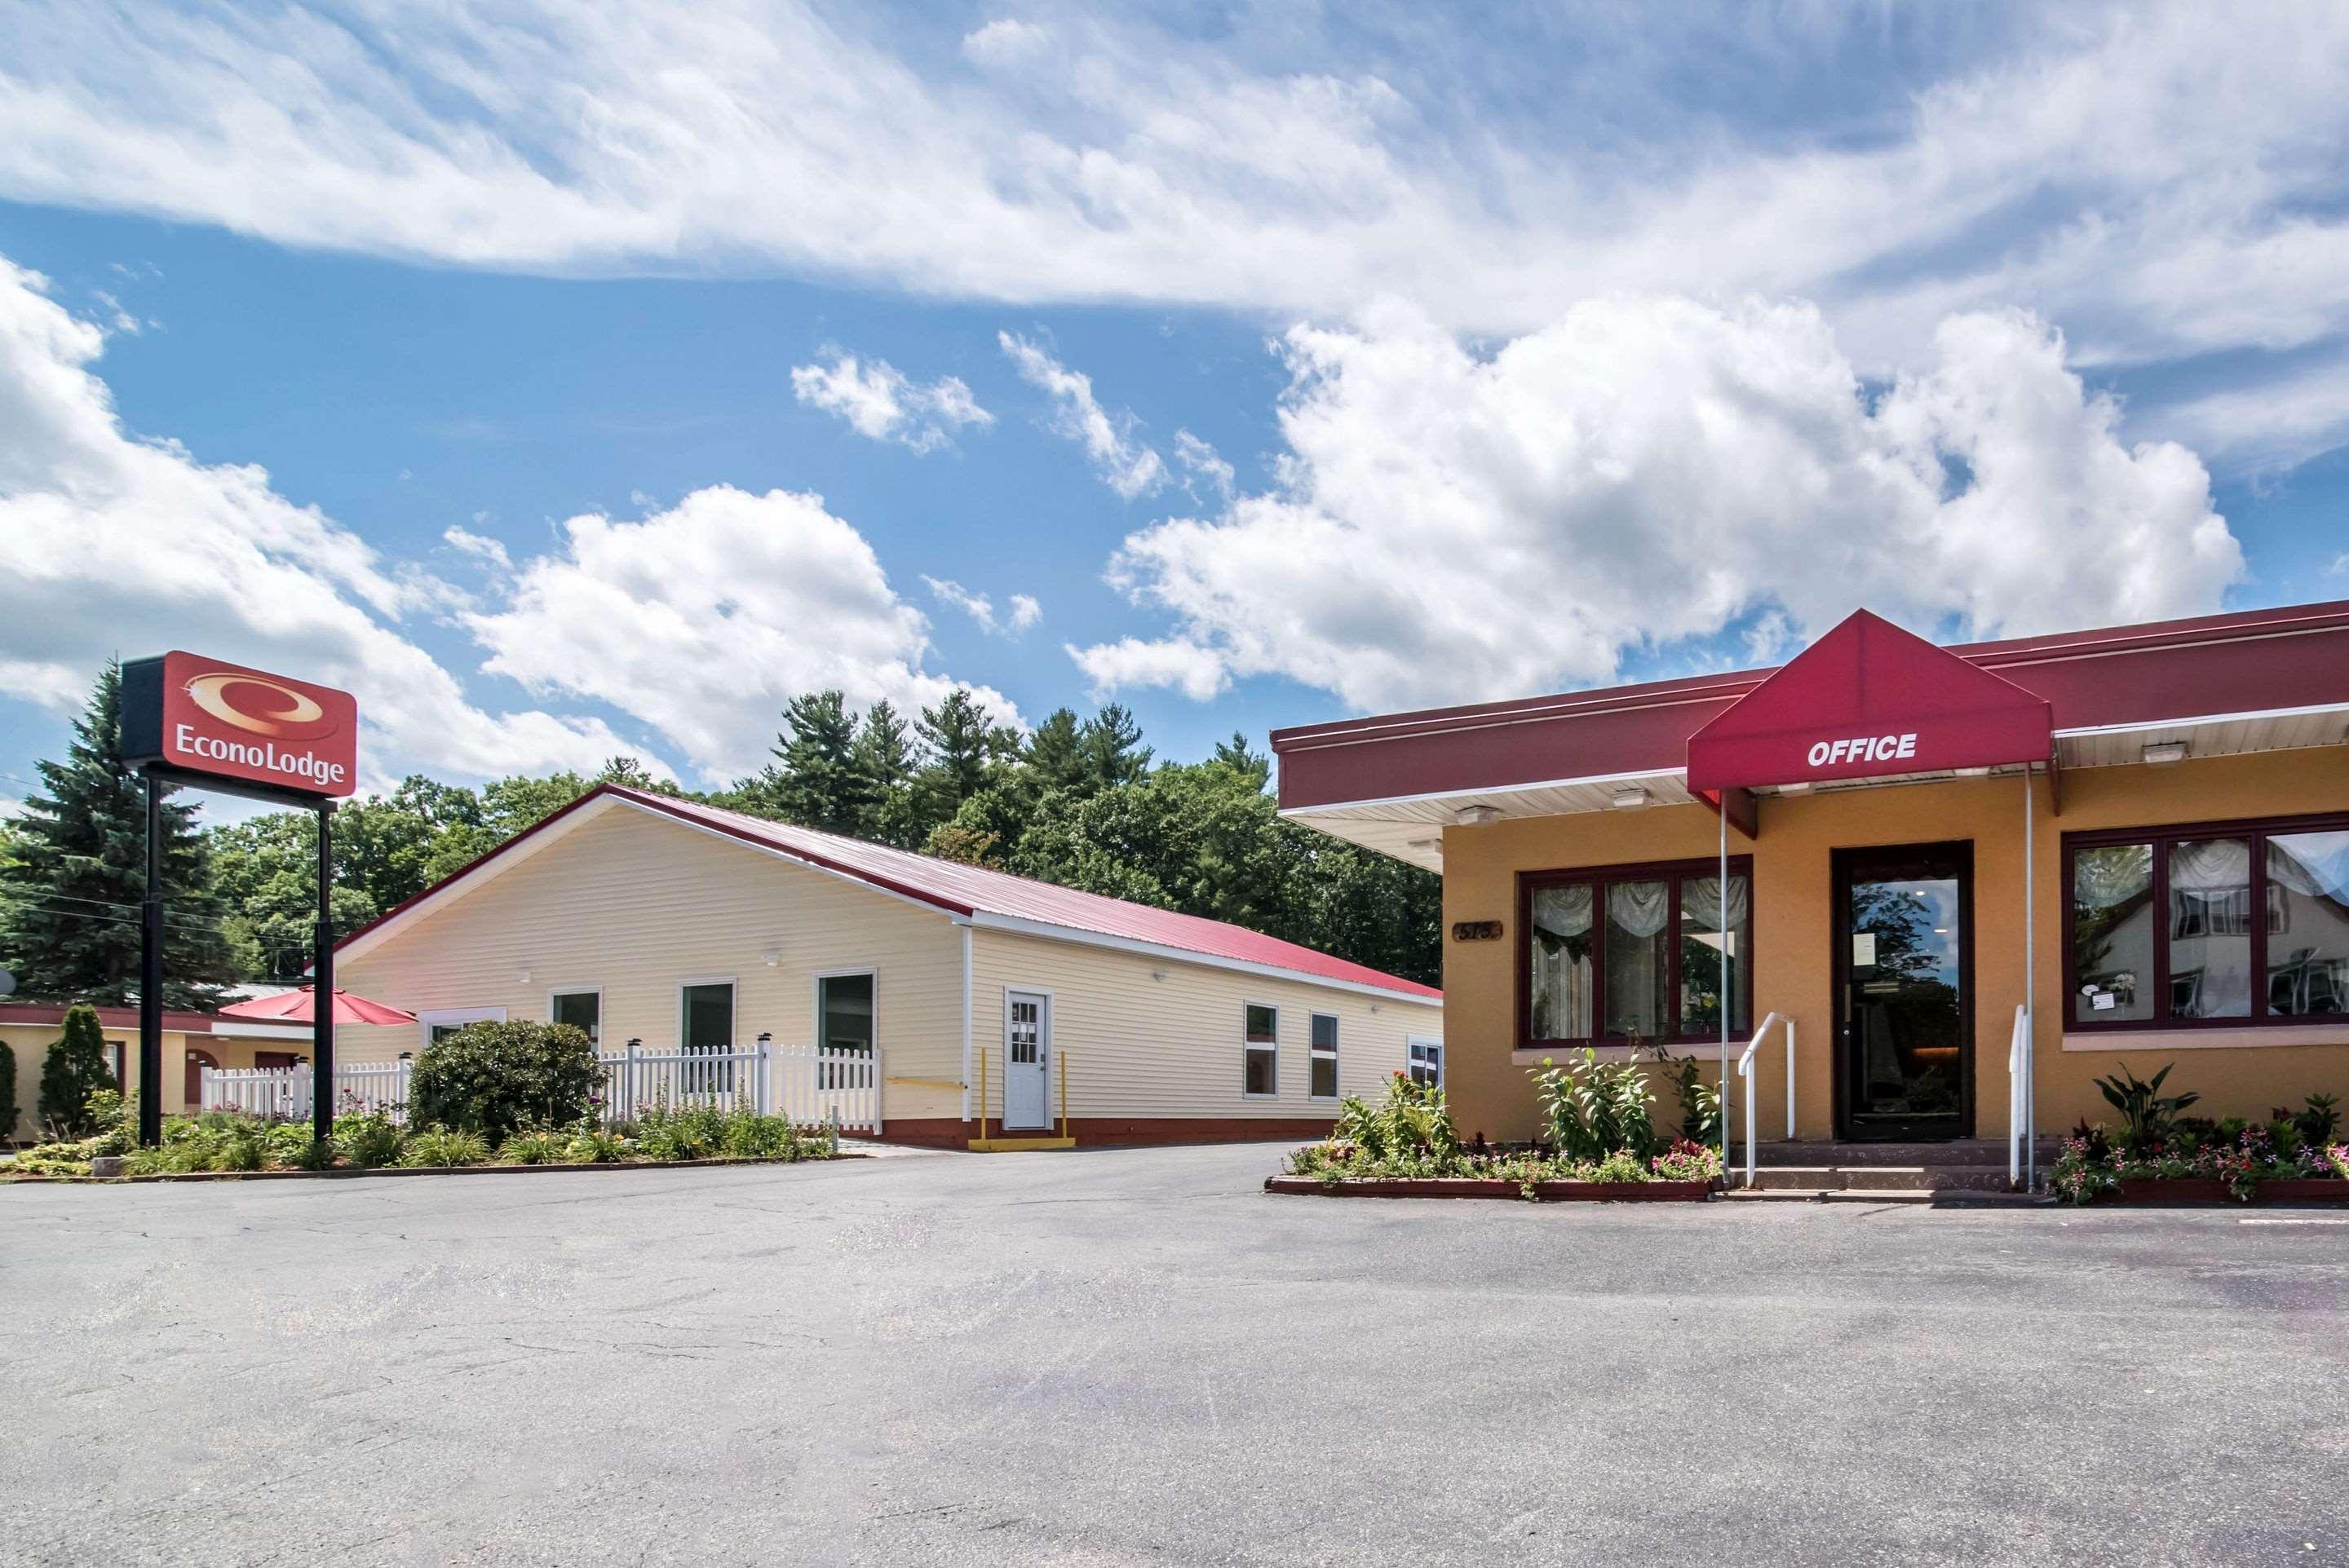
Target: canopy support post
[2030,988]
[1728,986]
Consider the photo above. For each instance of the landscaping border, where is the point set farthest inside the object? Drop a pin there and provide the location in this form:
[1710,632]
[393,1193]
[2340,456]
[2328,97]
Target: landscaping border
[1492,1187]
[7,1179]
[2205,1191]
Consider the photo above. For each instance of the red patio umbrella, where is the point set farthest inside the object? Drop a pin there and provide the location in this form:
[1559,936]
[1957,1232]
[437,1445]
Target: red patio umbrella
[300,1006]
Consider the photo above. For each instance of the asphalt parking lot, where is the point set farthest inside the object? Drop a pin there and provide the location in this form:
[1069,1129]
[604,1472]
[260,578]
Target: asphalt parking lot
[1137,1356]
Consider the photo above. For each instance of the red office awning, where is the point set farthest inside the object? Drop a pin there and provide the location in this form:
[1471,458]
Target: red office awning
[1868,701]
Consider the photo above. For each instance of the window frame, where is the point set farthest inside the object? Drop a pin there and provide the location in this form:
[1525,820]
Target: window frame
[1410,1065]
[827,1072]
[430,1018]
[1669,872]
[2160,836]
[1248,1046]
[1314,1053]
[594,991]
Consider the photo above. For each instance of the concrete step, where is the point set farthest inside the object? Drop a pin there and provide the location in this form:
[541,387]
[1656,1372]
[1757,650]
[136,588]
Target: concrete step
[1874,1178]
[1968,1196]
[1842,1154]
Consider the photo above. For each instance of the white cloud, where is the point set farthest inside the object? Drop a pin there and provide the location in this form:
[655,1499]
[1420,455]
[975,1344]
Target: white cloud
[490,553]
[1203,470]
[1025,612]
[879,402]
[1127,465]
[1645,470]
[702,620]
[1196,672]
[104,535]
[1006,41]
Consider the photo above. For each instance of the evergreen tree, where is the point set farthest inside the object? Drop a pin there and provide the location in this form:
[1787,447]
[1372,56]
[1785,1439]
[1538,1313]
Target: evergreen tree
[818,780]
[1053,754]
[1110,746]
[1239,756]
[75,1070]
[885,755]
[7,1093]
[72,894]
[964,745]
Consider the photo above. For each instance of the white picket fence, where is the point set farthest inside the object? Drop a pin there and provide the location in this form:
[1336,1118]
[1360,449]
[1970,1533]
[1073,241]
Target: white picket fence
[807,1085]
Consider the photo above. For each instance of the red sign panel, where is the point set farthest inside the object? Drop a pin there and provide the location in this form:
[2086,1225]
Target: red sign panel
[1866,700]
[207,717]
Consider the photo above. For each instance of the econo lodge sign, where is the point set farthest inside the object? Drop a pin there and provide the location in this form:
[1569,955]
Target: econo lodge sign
[206,716]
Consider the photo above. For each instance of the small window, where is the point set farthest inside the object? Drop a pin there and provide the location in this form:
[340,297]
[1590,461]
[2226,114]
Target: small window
[843,1013]
[1426,1062]
[581,1010]
[1325,1055]
[707,1030]
[1260,1051]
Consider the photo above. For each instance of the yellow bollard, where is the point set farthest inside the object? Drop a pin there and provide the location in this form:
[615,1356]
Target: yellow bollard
[982,1096]
[1064,1093]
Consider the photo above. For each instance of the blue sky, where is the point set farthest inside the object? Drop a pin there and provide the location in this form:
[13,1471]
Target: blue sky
[1292,363]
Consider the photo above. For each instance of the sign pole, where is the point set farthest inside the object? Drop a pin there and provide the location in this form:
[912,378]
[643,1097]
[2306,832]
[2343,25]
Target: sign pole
[150,975]
[322,989]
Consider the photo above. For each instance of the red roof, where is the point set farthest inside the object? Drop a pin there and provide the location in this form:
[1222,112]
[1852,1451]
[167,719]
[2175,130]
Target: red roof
[2248,662]
[177,1023]
[975,892]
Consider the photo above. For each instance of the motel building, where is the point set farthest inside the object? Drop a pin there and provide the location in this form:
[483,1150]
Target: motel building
[1922,893]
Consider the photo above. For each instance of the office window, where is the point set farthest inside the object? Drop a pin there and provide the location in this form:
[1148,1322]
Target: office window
[2223,925]
[1261,1050]
[1325,1056]
[1614,953]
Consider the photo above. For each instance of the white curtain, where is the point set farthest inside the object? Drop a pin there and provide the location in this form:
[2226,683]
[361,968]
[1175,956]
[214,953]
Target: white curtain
[1701,903]
[2209,868]
[1562,910]
[2313,865]
[1639,908]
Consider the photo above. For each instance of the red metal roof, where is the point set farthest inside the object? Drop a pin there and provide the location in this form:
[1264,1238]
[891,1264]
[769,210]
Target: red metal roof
[109,1018]
[2252,661]
[974,890]
[1868,698]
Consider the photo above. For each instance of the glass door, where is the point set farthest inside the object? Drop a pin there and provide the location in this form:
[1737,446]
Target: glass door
[1904,991]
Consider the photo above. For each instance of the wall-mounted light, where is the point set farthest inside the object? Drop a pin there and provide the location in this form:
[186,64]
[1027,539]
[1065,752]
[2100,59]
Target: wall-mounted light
[1801,787]
[1973,772]
[1476,816]
[1158,974]
[1630,799]
[771,957]
[1431,846]
[522,977]
[2161,751]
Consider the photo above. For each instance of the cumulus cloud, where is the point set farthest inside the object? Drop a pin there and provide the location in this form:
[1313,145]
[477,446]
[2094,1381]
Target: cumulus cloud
[104,534]
[879,401]
[1125,463]
[1005,41]
[702,620]
[1643,471]
[1205,474]
[1024,611]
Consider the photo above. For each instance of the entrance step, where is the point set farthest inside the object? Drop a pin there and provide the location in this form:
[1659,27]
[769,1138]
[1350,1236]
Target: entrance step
[1874,1178]
[1843,1155]
[1970,1196]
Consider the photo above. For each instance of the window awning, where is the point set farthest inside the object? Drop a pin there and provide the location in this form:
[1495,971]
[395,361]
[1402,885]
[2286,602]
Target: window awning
[1868,701]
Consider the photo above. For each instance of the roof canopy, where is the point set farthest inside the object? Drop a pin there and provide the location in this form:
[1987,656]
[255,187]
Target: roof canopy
[300,1006]
[1865,701]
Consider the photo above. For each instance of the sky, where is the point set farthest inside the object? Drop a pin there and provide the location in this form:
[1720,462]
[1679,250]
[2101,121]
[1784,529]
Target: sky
[576,381]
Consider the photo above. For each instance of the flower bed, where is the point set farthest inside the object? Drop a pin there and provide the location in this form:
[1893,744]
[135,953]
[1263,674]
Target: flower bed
[1541,1191]
[227,1143]
[2160,1156]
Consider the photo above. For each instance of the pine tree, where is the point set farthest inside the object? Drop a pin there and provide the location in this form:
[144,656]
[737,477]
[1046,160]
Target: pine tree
[1053,754]
[75,1070]
[71,898]
[885,755]
[818,782]
[1110,746]
[965,743]
[1239,756]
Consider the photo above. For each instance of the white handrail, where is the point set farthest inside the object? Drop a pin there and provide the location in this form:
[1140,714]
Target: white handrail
[2018,1079]
[1746,1071]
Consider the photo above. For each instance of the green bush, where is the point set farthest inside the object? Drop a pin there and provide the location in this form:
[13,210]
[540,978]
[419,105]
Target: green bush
[535,1147]
[369,1142]
[493,1078]
[293,1147]
[1591,1109]
[73,1070]
[437,1145]
[593,1144]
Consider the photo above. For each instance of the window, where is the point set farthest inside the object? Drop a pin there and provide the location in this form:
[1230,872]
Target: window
[580,1009]
[705,1028]
[843,1019]
[1261,1050]
[1325,1056]
[1653,952]
[2224,924]
[440,1023]
[1424,1062]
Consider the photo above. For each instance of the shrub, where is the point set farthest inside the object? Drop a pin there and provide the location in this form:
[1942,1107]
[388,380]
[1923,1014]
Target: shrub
[73,1070]
[2148,1116]
[493,1078]
[1592,1110]
[369,1142]
[437,1145]
[1700,1101]
[292,1145]
[749,1136]
[7,1093]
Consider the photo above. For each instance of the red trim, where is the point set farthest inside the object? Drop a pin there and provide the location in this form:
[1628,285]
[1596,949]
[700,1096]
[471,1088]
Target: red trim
[107,1018]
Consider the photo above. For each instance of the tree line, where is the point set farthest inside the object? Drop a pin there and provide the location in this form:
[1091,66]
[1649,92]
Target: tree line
[1081,802]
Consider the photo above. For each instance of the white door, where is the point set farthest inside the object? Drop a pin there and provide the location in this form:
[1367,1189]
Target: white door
[1027,1061]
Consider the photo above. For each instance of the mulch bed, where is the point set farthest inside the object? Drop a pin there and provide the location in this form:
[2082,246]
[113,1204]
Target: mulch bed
[1482,1187]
